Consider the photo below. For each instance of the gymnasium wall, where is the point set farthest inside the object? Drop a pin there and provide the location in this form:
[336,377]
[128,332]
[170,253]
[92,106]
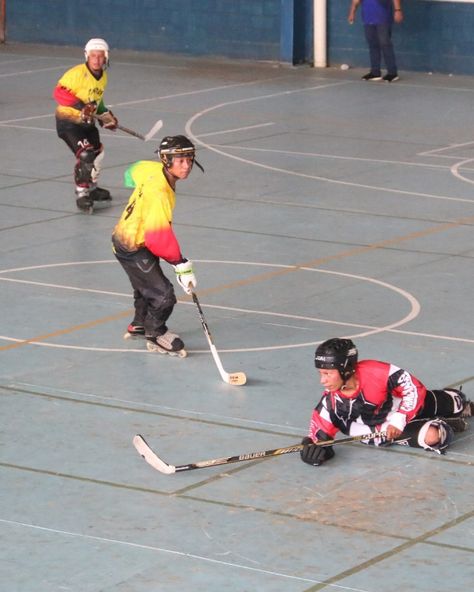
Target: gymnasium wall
[436,35]
[243,29]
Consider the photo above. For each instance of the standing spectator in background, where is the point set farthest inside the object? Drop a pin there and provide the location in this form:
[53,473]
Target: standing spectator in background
[79,94]
[378,17]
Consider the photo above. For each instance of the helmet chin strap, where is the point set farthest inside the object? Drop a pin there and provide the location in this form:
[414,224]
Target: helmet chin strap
[198,165]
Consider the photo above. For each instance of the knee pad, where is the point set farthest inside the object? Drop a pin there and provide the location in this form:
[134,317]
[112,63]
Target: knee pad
[85,165]
[419,429]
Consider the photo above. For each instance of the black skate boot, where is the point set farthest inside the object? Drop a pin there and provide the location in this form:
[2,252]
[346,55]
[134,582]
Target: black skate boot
[85,204]
[468,409]
[458,424]
[168,343]
[83,201]
[99,194]
[134,330]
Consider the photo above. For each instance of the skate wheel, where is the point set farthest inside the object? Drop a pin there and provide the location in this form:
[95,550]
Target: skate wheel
[182,353]
[127,335]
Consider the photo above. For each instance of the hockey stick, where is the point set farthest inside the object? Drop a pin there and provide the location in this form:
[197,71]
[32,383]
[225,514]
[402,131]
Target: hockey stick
[156,127]
[160,465]
[235,378]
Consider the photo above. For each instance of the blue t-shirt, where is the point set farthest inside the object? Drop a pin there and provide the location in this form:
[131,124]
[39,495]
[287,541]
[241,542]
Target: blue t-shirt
[377,12]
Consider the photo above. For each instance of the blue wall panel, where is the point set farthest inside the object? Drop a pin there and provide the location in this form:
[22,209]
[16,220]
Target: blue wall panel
[435,36]
[229,28]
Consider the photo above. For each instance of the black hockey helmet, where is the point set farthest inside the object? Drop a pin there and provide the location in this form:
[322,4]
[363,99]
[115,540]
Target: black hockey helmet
[338,354]
[176,146]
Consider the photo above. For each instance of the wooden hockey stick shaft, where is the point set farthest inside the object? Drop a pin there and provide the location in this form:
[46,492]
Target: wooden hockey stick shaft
[160,465]
[235,378]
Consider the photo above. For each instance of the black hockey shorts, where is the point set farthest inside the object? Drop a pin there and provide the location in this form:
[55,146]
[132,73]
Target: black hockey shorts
[78,135]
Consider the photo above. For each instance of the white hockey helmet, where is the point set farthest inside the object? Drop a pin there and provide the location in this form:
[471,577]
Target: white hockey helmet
[97,45]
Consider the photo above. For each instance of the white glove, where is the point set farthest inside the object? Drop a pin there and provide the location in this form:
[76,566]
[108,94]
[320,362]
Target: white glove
[185,276]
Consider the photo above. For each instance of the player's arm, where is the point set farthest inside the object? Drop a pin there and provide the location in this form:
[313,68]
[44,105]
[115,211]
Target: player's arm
[412,393]
[162,242]
[397,11]
[65,97]
[321,429]
[160,238]
[352,11]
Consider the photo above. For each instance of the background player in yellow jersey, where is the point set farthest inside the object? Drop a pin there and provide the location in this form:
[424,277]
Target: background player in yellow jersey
[79,94]
[144,235]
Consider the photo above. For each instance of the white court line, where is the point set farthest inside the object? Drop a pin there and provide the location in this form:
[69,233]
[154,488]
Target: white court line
[455,170]
[174,552]
[140,405]
[158,98]
[237,129]
[412,314]
[444,149]
[30,71]
[371,328]
[330,156]
[400,192]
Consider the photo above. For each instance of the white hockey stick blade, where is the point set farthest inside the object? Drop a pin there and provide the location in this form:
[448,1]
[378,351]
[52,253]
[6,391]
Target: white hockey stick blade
[158,125]
[235,378]
[151,458]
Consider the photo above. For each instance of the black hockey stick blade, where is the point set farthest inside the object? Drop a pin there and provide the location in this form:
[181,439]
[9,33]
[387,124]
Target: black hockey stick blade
[160,465]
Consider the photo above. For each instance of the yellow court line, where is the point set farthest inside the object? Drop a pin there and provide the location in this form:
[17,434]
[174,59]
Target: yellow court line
[257,278]
[351,252]
[46,336]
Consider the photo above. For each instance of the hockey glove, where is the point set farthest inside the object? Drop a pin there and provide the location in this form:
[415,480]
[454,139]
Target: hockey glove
[315,455]
[88,112]
[185,276]
[108,120]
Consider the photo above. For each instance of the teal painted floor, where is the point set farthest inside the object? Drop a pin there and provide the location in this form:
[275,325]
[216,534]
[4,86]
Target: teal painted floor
[329,207]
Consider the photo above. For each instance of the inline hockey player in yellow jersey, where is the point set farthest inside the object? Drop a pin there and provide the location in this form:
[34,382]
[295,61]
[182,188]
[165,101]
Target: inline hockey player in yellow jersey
[79,94]
[144,235]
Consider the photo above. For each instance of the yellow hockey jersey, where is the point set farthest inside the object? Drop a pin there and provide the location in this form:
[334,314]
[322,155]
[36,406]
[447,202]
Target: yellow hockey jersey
[79,83]
[147,218]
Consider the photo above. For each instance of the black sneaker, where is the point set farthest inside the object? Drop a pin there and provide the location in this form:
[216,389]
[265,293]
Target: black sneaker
[372,77]
[391,77]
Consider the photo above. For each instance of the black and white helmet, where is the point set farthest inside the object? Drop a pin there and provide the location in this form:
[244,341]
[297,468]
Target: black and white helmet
[171,146]
[338,354]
